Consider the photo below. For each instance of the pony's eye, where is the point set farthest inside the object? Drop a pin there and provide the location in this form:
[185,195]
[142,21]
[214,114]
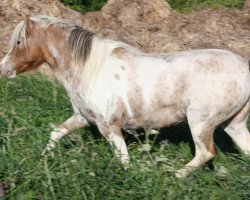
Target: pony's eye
[18,42]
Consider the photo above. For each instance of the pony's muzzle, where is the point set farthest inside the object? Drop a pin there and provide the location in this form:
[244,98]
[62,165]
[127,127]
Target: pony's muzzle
[1,68]
[6,71]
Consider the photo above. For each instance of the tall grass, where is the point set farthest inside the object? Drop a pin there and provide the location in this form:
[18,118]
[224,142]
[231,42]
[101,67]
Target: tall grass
[84,166]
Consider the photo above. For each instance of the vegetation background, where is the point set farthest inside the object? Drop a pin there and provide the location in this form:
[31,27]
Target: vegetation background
[84,166]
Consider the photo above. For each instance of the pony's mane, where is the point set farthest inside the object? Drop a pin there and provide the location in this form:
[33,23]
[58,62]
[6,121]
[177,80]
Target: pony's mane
[80,43]
[89,51]
[96,53]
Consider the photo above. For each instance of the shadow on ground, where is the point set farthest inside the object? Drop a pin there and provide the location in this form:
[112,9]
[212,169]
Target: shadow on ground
[179,134]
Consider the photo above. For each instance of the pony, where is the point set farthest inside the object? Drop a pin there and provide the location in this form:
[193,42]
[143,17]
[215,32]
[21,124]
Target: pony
[117,87]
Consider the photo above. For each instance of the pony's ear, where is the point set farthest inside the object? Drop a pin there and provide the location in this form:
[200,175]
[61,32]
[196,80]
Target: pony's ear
[27,22]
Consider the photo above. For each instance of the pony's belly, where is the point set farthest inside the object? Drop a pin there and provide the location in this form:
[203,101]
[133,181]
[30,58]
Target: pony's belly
[154,119]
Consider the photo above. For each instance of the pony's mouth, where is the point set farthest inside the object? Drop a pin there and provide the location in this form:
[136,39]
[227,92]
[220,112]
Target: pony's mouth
[7,71]
[10,74]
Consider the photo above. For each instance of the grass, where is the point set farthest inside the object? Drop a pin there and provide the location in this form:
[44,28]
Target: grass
[83,6]
[84,166]
[183,6]
[186,6]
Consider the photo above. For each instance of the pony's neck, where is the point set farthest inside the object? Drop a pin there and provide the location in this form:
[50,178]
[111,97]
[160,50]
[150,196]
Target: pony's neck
[71,70]
[59,59]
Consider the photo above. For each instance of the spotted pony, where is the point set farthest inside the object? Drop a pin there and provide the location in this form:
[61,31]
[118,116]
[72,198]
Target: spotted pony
[115,86]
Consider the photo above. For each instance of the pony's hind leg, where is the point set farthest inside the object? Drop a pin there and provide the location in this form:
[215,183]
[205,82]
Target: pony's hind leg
[74,122]
[202,134]
[237,129]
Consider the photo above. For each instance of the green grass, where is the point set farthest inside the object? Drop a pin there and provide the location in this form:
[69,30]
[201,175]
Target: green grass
[183,6]
[84,166]
[186,6]
[83,6]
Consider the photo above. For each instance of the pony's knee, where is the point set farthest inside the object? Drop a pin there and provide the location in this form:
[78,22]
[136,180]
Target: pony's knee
[211,152]
[209,156]
[206,153]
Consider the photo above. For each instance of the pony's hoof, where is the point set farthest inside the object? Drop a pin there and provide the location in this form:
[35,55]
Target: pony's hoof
[126,167]
[181,173]
[47,152]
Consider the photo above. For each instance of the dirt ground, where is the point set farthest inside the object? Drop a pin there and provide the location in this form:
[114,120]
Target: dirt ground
[152,26]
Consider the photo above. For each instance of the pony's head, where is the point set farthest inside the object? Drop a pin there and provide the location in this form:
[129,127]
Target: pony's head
[41,39]
[25,49]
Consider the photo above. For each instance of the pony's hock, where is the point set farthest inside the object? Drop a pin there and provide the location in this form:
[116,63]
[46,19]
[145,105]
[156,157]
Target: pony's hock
[116,86]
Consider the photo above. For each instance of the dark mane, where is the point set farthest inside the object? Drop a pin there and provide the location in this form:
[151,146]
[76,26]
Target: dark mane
[80,43]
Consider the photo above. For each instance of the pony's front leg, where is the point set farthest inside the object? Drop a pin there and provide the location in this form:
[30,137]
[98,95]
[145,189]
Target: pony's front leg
[114,136]
[74,122]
